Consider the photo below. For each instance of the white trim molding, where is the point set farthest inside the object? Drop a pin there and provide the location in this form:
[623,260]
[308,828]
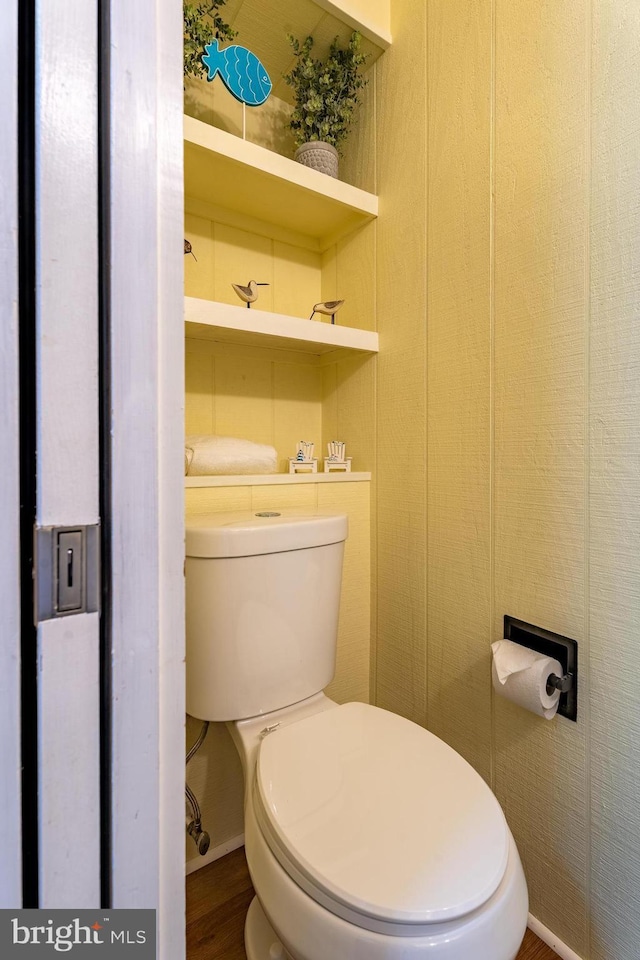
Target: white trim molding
[171,400]
[563,951]
[147,483]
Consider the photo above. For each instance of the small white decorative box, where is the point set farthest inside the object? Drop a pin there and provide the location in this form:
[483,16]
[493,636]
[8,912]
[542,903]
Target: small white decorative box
[336,459]
[304,461]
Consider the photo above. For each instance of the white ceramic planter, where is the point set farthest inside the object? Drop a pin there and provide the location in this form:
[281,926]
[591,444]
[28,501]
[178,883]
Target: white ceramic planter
[319,156]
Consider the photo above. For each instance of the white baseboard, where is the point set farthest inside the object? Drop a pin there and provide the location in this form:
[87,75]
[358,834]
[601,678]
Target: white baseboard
[214,853]
[563,951]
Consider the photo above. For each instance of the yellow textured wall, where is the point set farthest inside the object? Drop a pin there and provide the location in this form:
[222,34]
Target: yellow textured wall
[507,311]
[215,773]
[540,407]
[401,293]
[458,377]
[613,558]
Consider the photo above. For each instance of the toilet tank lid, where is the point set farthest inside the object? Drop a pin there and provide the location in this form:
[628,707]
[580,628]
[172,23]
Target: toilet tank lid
[251,533]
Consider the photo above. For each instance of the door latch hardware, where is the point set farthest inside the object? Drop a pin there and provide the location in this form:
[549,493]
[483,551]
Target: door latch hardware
[66,571]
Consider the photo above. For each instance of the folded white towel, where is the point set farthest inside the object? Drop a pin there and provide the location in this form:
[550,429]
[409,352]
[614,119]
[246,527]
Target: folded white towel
[207,455]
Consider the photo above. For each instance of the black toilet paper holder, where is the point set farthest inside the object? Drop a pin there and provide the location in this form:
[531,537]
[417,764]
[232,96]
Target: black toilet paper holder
[563,683]
[560,648]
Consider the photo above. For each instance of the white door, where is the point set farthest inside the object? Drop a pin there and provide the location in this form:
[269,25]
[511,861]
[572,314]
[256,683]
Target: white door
[10,722]
[94,450]
[49,659]
[67,453]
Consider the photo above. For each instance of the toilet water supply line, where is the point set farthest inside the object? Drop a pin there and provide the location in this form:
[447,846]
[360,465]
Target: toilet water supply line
[194,824]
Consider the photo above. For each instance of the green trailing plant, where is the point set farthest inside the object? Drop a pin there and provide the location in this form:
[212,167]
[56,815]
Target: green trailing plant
[326,91]
[202,24]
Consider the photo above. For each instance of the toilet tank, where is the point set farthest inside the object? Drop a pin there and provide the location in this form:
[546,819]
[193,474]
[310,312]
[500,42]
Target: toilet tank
[262,602]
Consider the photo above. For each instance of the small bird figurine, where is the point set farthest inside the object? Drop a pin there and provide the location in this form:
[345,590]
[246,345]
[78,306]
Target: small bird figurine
[248,294]
[329,308]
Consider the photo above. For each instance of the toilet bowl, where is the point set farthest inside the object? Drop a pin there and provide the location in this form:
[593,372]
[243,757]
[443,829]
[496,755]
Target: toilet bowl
[367,837]
[350,862]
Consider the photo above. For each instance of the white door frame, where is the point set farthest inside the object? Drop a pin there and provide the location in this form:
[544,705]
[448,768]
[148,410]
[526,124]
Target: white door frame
[10,761]
[147,394]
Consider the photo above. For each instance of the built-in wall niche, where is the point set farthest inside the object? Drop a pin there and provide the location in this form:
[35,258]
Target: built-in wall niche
[262,28]
[279,397]
[268,373]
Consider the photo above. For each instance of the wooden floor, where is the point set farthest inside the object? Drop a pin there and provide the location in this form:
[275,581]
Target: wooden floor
[217,900]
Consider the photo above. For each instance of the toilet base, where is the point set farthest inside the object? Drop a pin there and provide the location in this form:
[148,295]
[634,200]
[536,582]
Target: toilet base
[260,939]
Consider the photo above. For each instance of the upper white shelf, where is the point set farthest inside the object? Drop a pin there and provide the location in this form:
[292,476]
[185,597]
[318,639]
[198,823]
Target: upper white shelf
[222,169]
[210,320]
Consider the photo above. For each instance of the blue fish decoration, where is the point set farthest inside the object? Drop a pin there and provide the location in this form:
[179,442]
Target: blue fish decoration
[241,71]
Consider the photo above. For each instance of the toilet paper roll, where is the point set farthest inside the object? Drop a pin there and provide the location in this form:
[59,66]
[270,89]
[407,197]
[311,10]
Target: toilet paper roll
[520,675]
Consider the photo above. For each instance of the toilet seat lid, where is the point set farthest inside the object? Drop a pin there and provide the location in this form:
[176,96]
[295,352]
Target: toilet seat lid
[380,815]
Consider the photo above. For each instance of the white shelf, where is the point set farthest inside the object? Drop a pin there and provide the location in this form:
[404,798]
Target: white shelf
[222,169]
[270,479]
[209,320]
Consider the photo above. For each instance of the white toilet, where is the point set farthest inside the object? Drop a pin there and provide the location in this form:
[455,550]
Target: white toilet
[367,837]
